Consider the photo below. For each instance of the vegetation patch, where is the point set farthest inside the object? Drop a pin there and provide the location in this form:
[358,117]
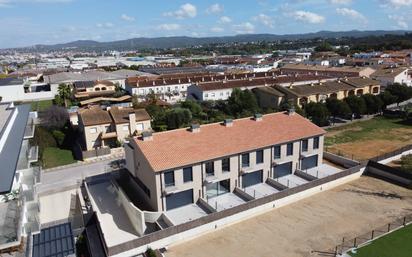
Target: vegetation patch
[394,244]
[54,157]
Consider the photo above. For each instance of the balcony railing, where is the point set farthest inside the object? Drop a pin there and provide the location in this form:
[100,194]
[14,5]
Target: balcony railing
[29,131]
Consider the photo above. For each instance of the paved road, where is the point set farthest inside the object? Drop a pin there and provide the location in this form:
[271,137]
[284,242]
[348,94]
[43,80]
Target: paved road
[70,176]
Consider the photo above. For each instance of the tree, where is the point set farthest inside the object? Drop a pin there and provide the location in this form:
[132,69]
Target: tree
[338,108]
[65,93]
[178,118]
[195,108]
[318,113]
[357,105]
[406,163]
[54,117]
[373,103]
[401,91]
[387,98]
[242,103]
[324,47]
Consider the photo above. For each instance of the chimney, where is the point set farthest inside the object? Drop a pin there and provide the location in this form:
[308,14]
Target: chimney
[291,111]
[258,117]
[132,122]
[147,136]
[195,128]
[228,122]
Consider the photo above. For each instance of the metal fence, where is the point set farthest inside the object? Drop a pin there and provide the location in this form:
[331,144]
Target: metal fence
[360,240]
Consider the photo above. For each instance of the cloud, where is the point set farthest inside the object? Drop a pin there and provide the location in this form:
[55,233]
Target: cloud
[396,3]
[244,28]
[168,26]
[306,16]
[225,19]
[342,2]
[214,9]
[264,19]
[217,29]
[127,17]
[185,11]
[352,14]
[400,21]
[106,25]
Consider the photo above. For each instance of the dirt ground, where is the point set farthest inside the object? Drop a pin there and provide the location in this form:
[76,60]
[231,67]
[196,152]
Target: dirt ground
[367,149]
[316,223]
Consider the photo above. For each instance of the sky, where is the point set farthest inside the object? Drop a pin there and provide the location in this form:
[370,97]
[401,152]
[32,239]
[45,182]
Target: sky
[30,22]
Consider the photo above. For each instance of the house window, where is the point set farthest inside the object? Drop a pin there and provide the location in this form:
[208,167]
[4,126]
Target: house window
[289,150]
[259,156]
[316,143]
[226,165]
[276,151]
[305,145]
[187,174]
[210,169]
[125,127]
[245,160]
[93,130]
[169,179]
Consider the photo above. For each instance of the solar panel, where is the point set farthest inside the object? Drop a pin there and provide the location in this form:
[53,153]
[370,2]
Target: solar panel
[56,241]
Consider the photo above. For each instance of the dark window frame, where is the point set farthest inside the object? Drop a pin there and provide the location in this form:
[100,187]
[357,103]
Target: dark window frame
[186,177]
[165,175]
[226,167]
[280,151]
[244,164]
[210,165]
[260,159]
[305,145]
[316,142]
[289,149]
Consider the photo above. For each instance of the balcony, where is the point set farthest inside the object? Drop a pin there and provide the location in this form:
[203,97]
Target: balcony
[109,135]
[29,130]
[33,154]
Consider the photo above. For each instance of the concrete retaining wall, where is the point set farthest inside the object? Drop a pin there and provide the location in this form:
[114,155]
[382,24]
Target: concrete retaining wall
[345,162]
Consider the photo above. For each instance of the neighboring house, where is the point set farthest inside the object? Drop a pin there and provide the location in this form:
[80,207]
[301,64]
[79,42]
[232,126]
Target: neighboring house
[88,89]
[19,205]
[222,90]
[18,89]
[102,128]
[338,72]
[388,76]
[271,97]
[176,168]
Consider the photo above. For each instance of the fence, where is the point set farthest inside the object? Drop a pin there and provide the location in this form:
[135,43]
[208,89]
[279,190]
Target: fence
[358,241]
[158,235]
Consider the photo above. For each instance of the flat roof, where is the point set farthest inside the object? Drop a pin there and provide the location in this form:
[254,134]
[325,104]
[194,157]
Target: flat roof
[181,147]
[9,155]
[11,81]
[115,224]
[56,241]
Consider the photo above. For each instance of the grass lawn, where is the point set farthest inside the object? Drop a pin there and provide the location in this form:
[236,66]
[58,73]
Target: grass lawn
[54,157]
[41,105]
[366,139]
[395,244]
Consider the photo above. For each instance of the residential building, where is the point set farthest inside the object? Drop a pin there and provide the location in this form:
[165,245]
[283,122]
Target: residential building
[29,89]
[19,206]
[338,72]
[390,75]
[222,90]
[316,92]
[101,128]
[179,167]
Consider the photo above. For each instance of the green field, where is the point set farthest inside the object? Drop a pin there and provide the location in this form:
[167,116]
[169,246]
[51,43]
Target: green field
[54,157]
[368,139]
[41,105]
[395,244]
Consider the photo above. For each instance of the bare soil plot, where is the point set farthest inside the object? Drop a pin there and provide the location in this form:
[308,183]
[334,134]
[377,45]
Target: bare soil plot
[367,139]
[316,223]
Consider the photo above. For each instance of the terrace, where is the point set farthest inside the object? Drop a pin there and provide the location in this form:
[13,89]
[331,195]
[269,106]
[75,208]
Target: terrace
[186,213]
[260,190]
[225,201]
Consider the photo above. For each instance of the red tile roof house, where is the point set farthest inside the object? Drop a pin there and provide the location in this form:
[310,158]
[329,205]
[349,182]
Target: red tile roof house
[181,167]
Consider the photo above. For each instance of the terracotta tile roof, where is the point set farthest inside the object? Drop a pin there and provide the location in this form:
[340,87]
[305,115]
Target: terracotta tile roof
[121,115]
[389,72]
[94,116]
[361,82]
[181,147]
[314,89]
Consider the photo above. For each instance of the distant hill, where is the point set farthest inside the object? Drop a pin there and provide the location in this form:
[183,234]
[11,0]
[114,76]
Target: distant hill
[183,41]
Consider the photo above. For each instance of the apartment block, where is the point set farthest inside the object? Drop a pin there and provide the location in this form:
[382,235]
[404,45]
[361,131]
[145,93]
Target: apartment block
[180,167]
